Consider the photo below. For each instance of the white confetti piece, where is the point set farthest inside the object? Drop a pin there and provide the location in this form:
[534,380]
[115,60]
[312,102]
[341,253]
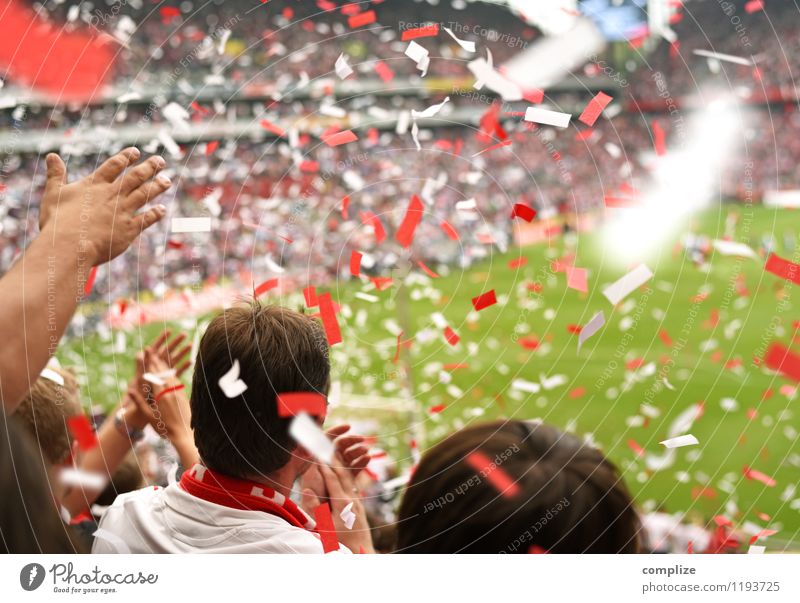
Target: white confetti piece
[74,478]
[117,543]
[591,327]
[159,378]
[723,57]
[348,517]
[465,44]
[191,225]
[486,75]
[684,440]
[53,376]
[526,386]
[367,297]
[546,117]
[734,248]
[308,434]
[430,111]
[230,384]
[637,277]
[756,549]
[343,70]
[419,54]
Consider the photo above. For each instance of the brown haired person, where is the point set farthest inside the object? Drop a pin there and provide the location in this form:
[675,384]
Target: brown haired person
[238,498]
[540,491]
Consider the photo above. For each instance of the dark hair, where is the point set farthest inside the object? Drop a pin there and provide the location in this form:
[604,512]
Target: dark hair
[29,518]
[568,497]
[278,350]
[127,478]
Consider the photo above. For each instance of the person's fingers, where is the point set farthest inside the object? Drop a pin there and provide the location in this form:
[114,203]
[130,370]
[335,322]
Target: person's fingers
[335,432]
[170,355]
[346,441]
[159,343]
[114,166]
[183,368]
[56,172]
[309,500]
[138,175]
[333,484]
[147,192]
[353,453]
[151,216]
[358,465]
[344,476]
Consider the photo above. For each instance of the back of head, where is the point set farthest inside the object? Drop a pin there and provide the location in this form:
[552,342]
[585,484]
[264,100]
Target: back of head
[44,413]
[568,497]
[29,519]
[279,351]
[127,478]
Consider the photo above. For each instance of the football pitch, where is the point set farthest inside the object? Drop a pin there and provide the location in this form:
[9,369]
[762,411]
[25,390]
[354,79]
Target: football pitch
[679,355]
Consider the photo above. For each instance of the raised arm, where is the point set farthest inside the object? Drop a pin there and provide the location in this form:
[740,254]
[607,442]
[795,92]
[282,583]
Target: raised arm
[83,224]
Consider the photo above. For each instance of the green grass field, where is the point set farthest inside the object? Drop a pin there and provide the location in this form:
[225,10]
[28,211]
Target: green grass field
[600,397]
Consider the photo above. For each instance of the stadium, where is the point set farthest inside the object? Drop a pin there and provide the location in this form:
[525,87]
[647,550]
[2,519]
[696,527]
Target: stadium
[581,214]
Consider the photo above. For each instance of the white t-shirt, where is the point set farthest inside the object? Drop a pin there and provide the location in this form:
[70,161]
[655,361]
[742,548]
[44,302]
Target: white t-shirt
[170,520]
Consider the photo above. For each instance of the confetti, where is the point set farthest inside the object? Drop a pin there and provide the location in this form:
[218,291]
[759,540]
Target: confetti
[427,270]
[305,431]
[230,384]
[592,327]
[484,300]
[325,528]
[496,476]
[783,268]
[523,211]
[265,286]
[384,72]
[290,404]
[486,75]
[347,516]
[74,478]
[340,138]
[723,57]
[659,139]
[361,19]
[466,45]
[355,262]
[448,229]
[310,295]
[191,225]
[419,54]
[783,360]
[733,248]
[451,336]
[82,431]
[684,440]
[548,118]
[637,277]
[752,474]
[52,375]
[273,128]
[87,289]
[343,70]
[329,321]
[405,234]
[420,32]
[576,279]
[594,108]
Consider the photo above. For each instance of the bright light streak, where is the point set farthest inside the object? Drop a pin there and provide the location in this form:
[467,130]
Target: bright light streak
[685,180]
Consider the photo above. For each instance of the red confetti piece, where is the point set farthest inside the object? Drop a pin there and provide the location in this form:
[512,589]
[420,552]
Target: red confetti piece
[361,19]
[345,206]
[355,262]
[577,392]
[169,390]
[67,64]
[87,288]
[752,474]
[484,300]
[496,476]
[168,13]
[427,270]
[211,147]
[397,349]
[384,72]
[340,138]
[449,230]
[753,6]
[505,143]
[762,534]
[722,521]
[533,95]
[574,329]
[435,410]
[329,320]
[665,338]
[381,282]
[290,404]
[310,295]
[271,127]
[82,431]
[637,449]
[529,343]
[594,108]
[584,134]
[265,286]
[518,263]
[576,279]
[523,211]
[782,360]
[325,528]
[451,336]
[614,202]
[783,268]
[420,32]
[367,217]
[405,234]
[659,139]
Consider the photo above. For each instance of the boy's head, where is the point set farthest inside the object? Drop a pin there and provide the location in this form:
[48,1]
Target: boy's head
[279,351]
[45,410]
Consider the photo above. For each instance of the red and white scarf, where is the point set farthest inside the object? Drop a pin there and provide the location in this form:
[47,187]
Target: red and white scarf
[244,495]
